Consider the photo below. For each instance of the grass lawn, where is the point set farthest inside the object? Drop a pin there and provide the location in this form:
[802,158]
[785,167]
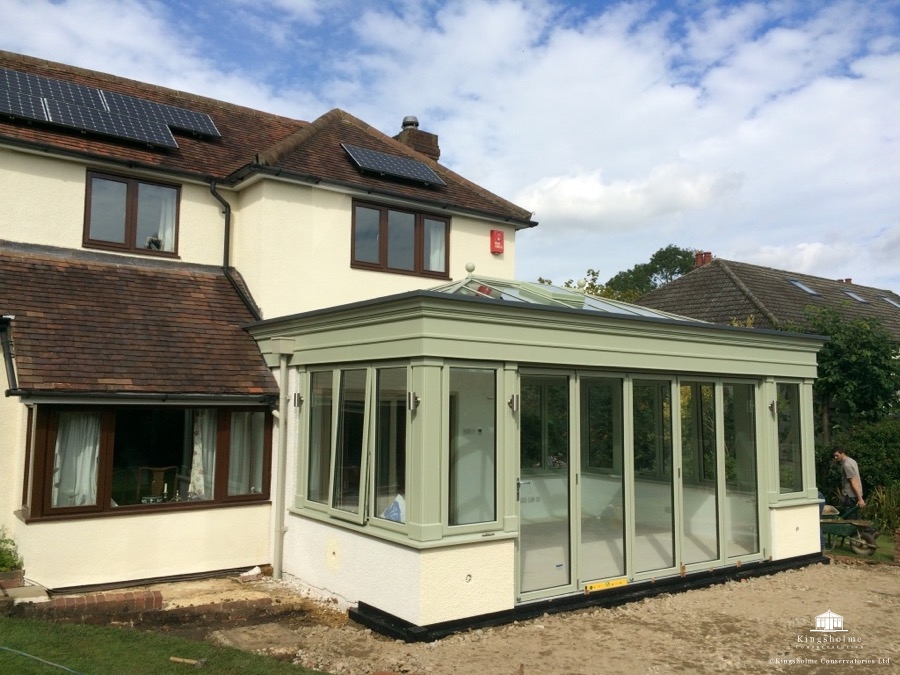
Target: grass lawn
[883,554]
[103,650]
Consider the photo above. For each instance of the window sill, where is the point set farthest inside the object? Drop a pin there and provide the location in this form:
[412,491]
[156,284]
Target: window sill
[143,510]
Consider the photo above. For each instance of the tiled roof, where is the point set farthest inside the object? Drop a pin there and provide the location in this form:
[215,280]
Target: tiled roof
[91,323]
[726,291]
[251,141]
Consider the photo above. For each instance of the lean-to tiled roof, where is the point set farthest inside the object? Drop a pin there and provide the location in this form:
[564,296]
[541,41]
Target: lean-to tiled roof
[252,142]
[98,324]
[730,292]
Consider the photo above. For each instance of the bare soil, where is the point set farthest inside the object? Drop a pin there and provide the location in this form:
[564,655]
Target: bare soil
[760,625]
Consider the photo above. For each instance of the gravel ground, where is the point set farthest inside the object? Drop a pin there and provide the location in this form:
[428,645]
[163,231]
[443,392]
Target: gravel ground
[760,625]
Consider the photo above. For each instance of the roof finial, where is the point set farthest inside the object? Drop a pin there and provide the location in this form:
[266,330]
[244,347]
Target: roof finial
[581,283]
[470,267]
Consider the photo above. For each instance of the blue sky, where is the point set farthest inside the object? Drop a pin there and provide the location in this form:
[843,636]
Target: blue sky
[766,132]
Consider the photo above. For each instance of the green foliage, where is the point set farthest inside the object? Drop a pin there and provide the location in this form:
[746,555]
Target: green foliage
[9,553]
[883,507]
[876,448]
[859,374]
[666,265]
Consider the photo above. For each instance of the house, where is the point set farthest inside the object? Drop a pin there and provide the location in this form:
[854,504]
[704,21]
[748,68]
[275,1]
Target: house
[737,293]
[232,338]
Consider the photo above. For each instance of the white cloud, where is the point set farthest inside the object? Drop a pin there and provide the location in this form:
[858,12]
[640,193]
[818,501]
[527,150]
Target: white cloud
[764,131]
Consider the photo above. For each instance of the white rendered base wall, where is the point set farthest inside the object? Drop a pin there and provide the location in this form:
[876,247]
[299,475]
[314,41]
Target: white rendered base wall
[795,531]
[126,548]
[422,587]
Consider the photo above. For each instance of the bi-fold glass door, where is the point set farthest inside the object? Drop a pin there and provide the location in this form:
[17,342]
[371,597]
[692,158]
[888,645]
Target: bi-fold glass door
[633,477]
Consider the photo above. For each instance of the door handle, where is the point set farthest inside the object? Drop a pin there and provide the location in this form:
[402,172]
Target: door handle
[519,484]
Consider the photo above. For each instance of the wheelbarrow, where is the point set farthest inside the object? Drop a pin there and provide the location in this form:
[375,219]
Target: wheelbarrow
[859,534]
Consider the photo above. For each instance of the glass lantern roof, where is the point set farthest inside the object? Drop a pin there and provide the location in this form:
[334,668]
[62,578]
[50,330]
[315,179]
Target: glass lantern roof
[506,290]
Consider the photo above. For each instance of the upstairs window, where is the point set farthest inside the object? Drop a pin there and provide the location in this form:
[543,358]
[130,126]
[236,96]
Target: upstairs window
[129,214]
[395,240]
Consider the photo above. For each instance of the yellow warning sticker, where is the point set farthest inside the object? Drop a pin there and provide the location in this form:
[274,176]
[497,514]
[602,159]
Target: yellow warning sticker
[603,585]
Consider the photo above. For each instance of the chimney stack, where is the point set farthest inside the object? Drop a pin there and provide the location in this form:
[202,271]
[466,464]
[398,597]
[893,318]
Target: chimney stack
[702,258]
[420,141]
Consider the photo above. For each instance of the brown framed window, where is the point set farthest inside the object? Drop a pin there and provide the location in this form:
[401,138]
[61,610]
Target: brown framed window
[129,214]
[399,240]
[111,459]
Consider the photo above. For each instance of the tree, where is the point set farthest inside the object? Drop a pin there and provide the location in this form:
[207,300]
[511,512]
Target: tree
[666,265]
[858,375]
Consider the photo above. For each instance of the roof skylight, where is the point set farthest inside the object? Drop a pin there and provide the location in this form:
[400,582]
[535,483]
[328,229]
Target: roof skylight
[802,286]
[856,297]
[893,302]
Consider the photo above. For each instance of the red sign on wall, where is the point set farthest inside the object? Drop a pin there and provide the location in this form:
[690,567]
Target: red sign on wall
[496,241]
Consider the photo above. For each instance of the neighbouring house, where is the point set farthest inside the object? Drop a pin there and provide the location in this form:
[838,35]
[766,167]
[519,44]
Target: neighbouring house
[737,293]
[233,339]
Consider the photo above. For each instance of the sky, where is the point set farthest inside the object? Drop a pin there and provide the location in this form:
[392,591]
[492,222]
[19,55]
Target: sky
[762,131]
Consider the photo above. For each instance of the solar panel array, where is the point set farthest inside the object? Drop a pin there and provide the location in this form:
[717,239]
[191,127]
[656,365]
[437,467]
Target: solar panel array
[42,99]
[392,165]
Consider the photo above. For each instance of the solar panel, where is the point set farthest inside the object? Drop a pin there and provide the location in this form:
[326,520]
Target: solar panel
[102,122]
[43,99]
[21,105]
[392,165]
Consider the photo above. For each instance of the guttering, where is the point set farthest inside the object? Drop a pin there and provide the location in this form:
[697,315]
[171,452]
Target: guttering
[5,322]
[143,397]
[226,255]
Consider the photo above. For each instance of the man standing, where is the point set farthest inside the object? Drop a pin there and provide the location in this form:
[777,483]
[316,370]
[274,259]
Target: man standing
[851,483]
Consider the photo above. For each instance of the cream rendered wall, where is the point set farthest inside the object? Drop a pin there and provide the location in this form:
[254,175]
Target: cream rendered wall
[291,243]
[437,585]
[13,423]
[43,203]
[43,199]
[126,548]
[795,530]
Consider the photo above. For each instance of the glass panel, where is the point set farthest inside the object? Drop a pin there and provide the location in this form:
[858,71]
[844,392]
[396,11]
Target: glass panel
[365,235]
[544,542]
[790,457]
[741,496]
[320,409]
[345,491]
[602,487]
[654,527]
[75,459]
[245,463]
[401,241]
[108,199]
[163,455]
[473,446]
[700,511]
[435,245]
[390,445]
[156,218]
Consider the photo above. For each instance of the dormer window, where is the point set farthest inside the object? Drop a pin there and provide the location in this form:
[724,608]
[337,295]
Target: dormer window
[130,214]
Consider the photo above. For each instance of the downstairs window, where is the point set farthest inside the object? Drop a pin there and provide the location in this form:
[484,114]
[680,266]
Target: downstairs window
[112,459]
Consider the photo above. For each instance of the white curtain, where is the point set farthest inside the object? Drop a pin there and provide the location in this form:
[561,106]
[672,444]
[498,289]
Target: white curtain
[75,459]
[203,458]
[435,240]
[245,462]
[167,219]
